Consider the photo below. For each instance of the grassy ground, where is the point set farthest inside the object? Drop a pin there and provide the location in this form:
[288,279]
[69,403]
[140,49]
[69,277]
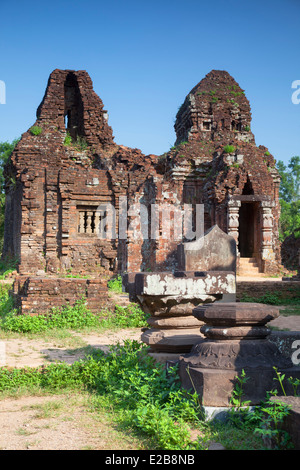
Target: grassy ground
[132,397]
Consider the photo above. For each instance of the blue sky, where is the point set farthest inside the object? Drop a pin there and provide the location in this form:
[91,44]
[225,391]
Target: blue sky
[144,58]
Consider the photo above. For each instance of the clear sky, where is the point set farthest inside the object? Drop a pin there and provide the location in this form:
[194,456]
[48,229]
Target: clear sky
[145,56]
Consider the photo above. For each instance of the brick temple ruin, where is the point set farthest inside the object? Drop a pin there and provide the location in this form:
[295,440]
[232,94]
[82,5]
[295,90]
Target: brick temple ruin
[55,186]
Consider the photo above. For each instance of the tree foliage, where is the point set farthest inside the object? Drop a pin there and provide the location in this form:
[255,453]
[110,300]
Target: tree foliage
[6,149]
[289,194]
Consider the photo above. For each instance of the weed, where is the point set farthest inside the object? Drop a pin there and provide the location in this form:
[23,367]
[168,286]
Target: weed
[280,377]
[294,383]
[115,284]
[36,130]
[229,149]
[271,298]
[81,143]
[68,140]
[266,418]
[271,415]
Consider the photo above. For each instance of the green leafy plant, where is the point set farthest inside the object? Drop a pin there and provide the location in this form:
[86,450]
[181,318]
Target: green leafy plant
[267,418]
[77,316]
[131,316]
[295,384]
[229,149]
[238,391]
[81,143]
[68,140]
[7,266]
[280,378]
[142,393]
[271,416]
[115,284]
[36,130]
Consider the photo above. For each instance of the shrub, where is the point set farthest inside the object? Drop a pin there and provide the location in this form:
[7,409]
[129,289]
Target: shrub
[81,143]
[115,284]
[68,140]
[229,149]
[125,317]
[77,316]
[36,130]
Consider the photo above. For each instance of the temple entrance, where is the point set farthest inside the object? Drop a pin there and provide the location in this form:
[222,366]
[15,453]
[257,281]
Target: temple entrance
[248,229]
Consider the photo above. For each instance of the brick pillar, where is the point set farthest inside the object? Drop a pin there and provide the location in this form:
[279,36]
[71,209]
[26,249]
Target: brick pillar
[267,252]
[233,220]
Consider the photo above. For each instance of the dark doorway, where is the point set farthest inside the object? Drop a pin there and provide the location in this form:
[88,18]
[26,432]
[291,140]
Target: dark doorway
[247,226]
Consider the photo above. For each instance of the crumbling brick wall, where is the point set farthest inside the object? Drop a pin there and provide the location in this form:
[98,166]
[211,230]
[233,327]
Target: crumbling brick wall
[37,295]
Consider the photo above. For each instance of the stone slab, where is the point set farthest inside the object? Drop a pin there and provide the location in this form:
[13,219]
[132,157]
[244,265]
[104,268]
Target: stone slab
[183,284]
[171,340]
[215,251]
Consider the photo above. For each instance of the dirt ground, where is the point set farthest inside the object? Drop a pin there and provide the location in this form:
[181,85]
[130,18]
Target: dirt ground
[60,422]
[57,422]
[23,352]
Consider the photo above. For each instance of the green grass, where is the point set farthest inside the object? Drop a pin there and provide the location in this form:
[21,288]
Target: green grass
[70,317]
[289,305]
[144,399]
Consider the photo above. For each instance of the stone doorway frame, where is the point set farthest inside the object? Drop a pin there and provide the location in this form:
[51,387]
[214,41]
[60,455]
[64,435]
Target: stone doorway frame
[265,251]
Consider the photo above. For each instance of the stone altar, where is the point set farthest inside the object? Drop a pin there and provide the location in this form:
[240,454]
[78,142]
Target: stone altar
[170,297]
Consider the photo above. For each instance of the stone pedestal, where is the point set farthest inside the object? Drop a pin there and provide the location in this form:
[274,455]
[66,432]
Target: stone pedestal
[235,340]
[170,299]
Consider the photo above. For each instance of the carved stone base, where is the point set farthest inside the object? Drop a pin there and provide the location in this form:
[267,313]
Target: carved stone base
[235,340]
[179,340]
[215,386]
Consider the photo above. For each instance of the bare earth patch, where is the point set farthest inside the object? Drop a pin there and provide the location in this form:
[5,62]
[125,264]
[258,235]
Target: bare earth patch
[58,422]
[64,422]
[23,352]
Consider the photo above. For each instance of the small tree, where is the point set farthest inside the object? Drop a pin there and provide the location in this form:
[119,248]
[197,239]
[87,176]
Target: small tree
[289,194]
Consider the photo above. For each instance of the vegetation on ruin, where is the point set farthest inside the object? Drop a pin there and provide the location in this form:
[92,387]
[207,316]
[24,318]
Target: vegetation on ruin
[115,284]
[7,268]
[36,130]
[229,149]
[79,144]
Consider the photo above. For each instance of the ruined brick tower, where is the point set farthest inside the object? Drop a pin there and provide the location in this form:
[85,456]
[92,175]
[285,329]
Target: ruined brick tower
[235,180]
[68,165]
